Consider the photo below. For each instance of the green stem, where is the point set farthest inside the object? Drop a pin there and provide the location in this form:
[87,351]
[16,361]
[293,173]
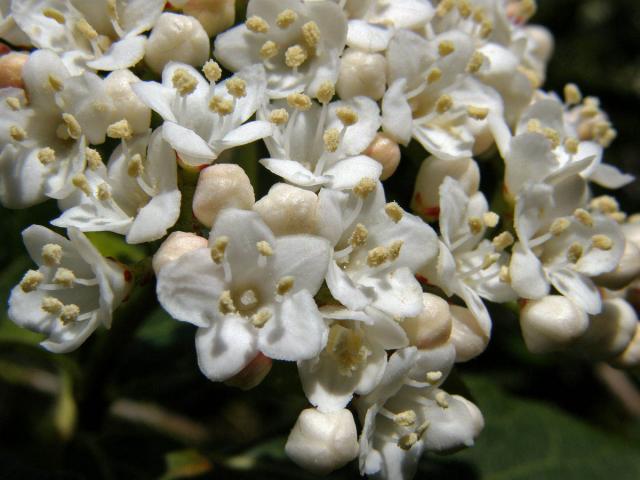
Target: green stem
[187,181]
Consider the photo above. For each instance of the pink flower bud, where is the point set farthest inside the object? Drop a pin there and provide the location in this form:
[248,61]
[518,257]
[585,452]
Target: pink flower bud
[11,69]
[386,151]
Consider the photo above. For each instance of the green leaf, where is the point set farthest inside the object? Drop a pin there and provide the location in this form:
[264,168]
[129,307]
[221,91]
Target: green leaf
[186,464]
[114,246]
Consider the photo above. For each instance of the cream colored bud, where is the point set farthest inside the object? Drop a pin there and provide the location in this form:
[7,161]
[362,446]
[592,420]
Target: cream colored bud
[289,210]
[631,230]
[178,38]
[630,357]
[252,375]
[466,334]
[11,65]
[433,326]
[627,271]
[386,151]
[126,103]
[362,73]
[221,186]
[552,323]
[215,16]
[176,245]
[323,442]
[610,332]
[426,197]
[541,40]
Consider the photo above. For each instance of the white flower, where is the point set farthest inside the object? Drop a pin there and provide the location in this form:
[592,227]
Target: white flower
[73,292]
[298,42]
[249,292]
[322,146]
[98,35]
[354,359]
[203,119]
[9,31]
[137,195]
[408,414]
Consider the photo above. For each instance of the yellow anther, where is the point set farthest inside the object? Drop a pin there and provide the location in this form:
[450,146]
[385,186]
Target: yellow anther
[364,187]
[135,167]
[46,156]
[377,256]
[94,159]
[552,135]
[103,192]
[264,248]
[434,376]
[17,133]
[394,249]
[444,7]
[86,30]
[475,225]
[295,56]
[608,137]
[434,75]
[326,91]
[220,105]
[571,145]
[268,50]
[279,116]
[602,242]
[394,211]
[257,24]
[184,82]
[311,34]
[51,254]
[218,248]
[490,219]
[405,419]
[589,111]
[421,430]
[260,318]
[446,47]
[359,236]
[572,94]
[285,284]
[347,115]
[407,441]
[120,130]
[54,14]
[13,103]
[532,76]
[31,280]
[478,15]
[286,18]
[619,217]
[605,204]
[331,139]
[212,71]
[477,113]
[583,217]
[534,126]
[299,101]
[502,241]
[73,127]
[464,8]
[505,275]
[489,260]
[55,83]
[69,313]
[444,104]
[64,277]
[81,183]
[112,9]
[574,252]
[441,399]
[225,303]
[486,28]
[475,62]
[559,225]
[528,8]
[52,305]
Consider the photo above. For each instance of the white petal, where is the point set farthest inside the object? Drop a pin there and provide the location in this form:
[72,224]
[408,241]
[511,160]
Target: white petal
[189,145]
[305,258]
[123,54]
[397,293]
[397,120]
[247,133]
[157,97]
[293,172]
[367,36]
[155,218]
[344,290]
[348,172]
[527,276]
[578,288]
[609,176]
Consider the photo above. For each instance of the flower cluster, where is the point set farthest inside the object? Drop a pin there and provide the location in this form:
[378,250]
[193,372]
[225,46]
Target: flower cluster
[375,301]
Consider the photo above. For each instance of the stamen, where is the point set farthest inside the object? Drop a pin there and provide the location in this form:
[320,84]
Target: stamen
[17,133]
[359,236]
[64,277]
[405,419]
[475,62]
[486,28]
[532,76]
[605,204]
[559,225]
[260,318]
[80,182]
[377,256]
[31,280]
[477,113]
[69,313]
[285,284]
[423,428]
[394,211]
[444,7]
[55,83]
[279,116]
[311,34]
[86,30]
[225,303]
[52,305]
[602,242]
[444,104]
[47,156]
[331,139]
[441,399]
[103,192]
[218,249]
[505,275]
[286,18]
[489,260]
[135,167]
[394,249]
[348,116]
[264,248]
[407,441]
[434,75]
[236,87]
[583,217]
[552,135]
[490,219]
[220,105]
[299,101]
[325,92]
[13,103]
[364,187]
[94,159]
[574,253]
[54,14]
[257,24]
[73,127]
[434,377]
[120,130]
[112,9]
[502,241]
[571,145]
[51,254]
[212,71]
[464,8]
[295,56]
[446,47]
[268,50]
[475,225]
[572,94]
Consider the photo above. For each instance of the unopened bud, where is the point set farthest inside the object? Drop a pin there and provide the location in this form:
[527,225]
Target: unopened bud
[432,327]
[627,271]
[323,442]
[466,334]
[386,151]
[126,103]
[176,245]
[221,186]
[630,357]
[215,16]
[361,73]
[11,65]
[289,210]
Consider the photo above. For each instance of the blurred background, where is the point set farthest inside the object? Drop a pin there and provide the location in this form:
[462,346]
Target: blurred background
[137,407]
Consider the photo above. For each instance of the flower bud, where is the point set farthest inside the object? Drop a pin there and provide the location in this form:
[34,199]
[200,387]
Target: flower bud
[220,186]
[466,334]
[127,104]
[542,42]
[323,442]
[474,412]
[252,375]
[215,16]
[385,151]
[626,272]
[432,327]
[361,73]
[631,230]
[176,245]
[426,196]
[11,69]
[552,323]
[610,331]
[630,357]
[289,210]
[177,38]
